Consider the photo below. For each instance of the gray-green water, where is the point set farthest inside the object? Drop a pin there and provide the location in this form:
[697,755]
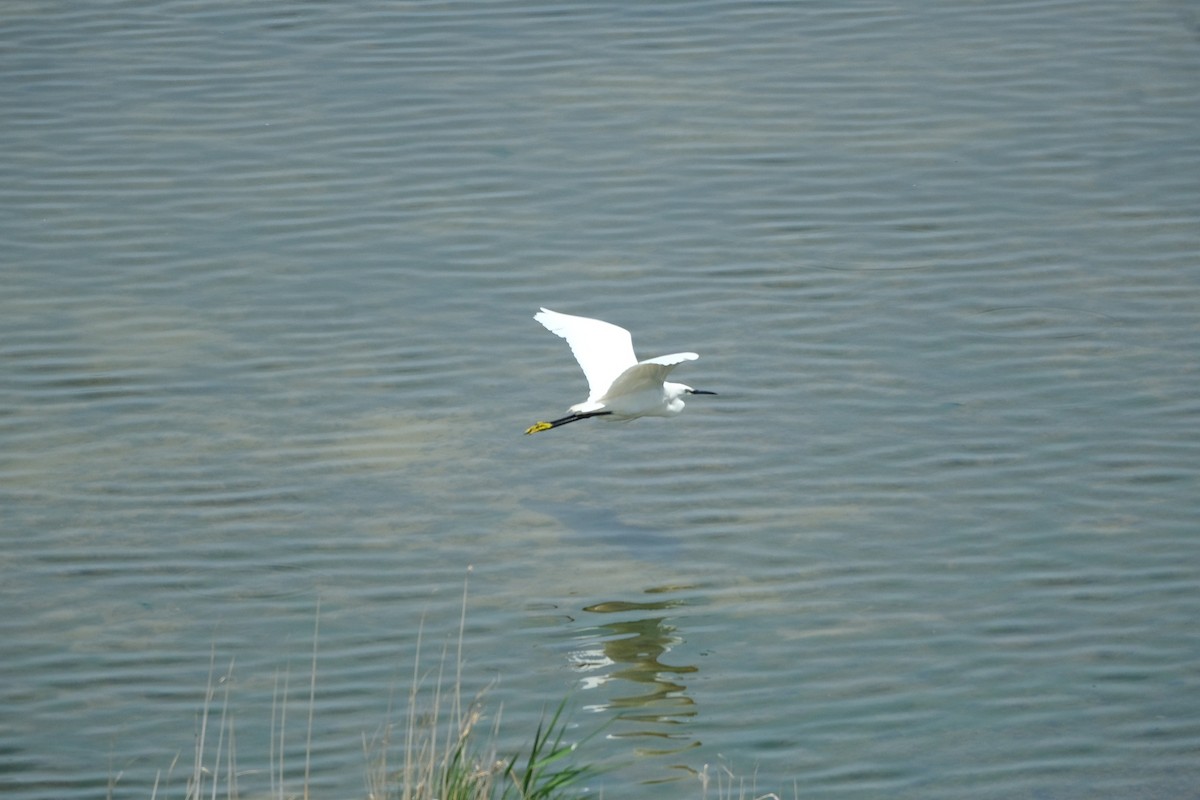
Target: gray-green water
[266,337]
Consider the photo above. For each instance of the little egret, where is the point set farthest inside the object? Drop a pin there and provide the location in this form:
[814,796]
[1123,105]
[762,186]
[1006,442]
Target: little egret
[619,386]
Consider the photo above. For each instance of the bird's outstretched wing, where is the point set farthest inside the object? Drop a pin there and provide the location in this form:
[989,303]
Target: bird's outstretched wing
[603,350]
[648,374]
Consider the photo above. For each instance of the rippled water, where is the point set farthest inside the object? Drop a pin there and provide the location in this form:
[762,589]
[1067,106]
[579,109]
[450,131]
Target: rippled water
[266,341]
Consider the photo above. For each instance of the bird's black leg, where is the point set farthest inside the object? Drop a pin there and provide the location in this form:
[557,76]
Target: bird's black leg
[545,426]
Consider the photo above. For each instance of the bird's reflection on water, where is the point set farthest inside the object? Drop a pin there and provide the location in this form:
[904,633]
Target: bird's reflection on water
[630,646]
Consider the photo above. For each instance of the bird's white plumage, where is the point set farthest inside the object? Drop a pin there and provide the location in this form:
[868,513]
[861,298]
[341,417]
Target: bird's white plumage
[619,386]
[643,376]
[602,349]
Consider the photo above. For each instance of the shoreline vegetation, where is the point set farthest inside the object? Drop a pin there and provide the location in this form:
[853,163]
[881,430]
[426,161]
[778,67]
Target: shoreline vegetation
[436,751]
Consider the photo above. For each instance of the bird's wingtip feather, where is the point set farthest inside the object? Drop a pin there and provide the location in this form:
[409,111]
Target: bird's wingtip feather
[671,359]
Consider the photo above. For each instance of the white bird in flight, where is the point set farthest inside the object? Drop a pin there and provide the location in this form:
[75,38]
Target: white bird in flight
[619,386]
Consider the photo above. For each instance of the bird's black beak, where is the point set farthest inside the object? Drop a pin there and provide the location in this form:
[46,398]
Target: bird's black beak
[700,391]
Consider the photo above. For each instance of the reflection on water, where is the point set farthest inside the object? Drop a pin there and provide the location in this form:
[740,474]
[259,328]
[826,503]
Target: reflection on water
[630,647]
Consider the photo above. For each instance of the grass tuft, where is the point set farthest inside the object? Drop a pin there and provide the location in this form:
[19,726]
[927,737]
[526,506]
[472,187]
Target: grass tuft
[445,759]
[443,752]
[543,777]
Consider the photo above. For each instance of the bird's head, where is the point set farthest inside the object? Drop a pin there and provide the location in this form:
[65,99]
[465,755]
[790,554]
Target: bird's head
[676,392]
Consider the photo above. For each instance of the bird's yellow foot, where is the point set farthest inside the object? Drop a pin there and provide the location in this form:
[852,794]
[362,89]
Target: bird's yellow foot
[538,426]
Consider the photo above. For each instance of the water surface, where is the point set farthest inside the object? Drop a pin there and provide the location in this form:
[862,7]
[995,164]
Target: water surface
[266,342]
